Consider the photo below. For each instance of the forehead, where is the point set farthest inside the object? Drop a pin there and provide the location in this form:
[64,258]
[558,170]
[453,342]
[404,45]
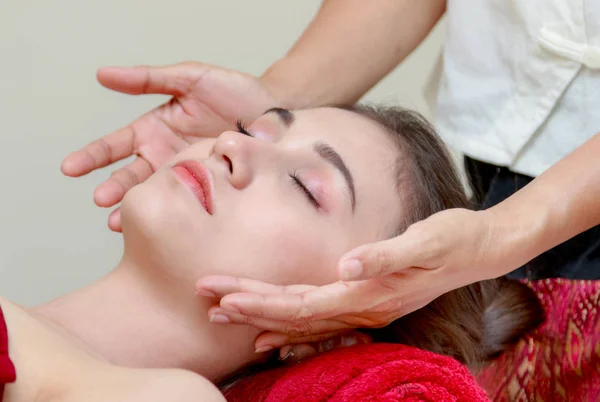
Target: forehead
[362,141]
[371,155]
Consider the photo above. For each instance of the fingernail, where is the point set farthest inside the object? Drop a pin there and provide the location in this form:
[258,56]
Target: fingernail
[284,355]
[205,293]
[303,352]
[351,269]
[219,319]
[264,349]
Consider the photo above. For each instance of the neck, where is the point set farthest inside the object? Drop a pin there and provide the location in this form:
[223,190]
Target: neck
[131,319]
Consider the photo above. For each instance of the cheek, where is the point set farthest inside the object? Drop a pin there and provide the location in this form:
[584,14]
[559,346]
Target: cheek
[268,239]
[280,245]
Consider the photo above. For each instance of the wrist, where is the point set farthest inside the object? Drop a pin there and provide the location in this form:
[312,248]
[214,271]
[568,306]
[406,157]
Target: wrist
[284,85]
[515,236]
[300,83]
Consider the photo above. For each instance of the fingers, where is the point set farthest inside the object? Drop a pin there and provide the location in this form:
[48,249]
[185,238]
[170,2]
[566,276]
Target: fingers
[314,304]
[219,286]
[123,143]
[300,329]
[326,342]
[100,153]
[112,190]
[173,80]
[371,303]
[291,354]
[382,258]
[119,145]
[114,220]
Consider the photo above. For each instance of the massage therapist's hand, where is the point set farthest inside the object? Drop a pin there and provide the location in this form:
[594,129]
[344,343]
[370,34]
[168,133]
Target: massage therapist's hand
[380,282]
[206,101]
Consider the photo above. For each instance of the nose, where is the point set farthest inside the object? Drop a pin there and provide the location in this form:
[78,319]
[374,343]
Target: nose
[236,151]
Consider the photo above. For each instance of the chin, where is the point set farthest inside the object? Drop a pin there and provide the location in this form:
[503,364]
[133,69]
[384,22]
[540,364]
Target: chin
[160,221]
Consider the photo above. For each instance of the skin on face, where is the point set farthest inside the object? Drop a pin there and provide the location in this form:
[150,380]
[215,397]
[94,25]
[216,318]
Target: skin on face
[264,225]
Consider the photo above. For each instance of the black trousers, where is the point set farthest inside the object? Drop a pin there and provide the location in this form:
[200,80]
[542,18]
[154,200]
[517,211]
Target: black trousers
[577,258]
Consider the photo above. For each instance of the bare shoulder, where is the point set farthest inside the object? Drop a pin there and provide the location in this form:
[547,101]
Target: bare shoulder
[151,386]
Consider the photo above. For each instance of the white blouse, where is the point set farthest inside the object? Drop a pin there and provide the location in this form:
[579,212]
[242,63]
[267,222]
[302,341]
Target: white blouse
[519,80]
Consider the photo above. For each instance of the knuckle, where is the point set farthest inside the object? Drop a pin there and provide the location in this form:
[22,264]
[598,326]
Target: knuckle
[428,241]
[384,261]
[303,311]
[132,178]
[264,310]
[238,285]
[125,177]
[437,240]
[298,329]
[104,147]
[102,153]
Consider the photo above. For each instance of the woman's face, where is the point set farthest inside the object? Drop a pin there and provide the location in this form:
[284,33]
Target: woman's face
[284,202]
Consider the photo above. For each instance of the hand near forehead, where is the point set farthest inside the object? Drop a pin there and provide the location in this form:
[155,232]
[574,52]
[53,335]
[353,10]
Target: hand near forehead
[205,101]
[380,283]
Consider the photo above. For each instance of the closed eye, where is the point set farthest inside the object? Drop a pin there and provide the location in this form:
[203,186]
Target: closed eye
[241,128]
[302,187]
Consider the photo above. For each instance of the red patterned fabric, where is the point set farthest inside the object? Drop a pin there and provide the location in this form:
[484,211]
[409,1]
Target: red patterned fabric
[376,372]
[7,368]
[561,360]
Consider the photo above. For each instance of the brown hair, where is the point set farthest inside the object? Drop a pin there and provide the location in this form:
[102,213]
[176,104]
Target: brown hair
[473,324]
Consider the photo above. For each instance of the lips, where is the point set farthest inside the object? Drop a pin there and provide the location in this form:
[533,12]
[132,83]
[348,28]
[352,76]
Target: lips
[198,179]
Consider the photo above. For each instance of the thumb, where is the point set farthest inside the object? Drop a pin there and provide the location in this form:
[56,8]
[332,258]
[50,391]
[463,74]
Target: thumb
[378,259]
[173,80]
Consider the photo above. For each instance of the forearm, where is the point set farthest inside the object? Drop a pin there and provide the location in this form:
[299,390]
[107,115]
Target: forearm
[348,47]
[559,204]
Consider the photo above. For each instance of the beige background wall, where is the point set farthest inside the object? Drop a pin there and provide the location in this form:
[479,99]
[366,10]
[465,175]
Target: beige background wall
[53,239]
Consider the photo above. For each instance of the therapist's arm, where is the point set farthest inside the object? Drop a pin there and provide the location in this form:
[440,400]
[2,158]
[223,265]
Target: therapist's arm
[559,204]
[348,47]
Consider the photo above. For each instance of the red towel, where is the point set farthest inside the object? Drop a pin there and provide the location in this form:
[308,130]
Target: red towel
[376,372]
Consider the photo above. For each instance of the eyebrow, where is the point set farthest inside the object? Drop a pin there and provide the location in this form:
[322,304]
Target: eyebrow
[324,150]
[329,154]
[286,116]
